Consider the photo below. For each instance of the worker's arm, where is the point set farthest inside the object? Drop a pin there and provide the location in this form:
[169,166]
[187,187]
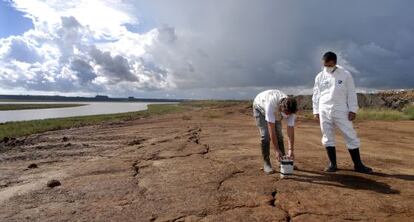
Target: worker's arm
[291,134]
[315,99]
[273,137]
[352,99]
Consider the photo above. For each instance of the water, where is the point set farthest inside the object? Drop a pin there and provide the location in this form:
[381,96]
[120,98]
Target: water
[91,108]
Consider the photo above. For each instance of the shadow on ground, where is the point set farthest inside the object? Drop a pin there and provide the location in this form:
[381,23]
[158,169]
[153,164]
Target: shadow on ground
[346,181]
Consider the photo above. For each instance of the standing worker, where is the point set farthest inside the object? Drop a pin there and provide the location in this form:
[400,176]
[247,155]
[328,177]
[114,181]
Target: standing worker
[269,108]
[335,104]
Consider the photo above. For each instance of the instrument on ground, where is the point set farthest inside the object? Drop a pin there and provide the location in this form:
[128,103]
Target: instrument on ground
[286,167]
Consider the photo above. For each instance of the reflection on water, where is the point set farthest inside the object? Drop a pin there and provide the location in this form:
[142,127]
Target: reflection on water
[92,108]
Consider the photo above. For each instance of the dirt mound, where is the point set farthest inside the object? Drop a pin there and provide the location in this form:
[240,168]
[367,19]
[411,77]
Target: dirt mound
[386,99]
[203,168]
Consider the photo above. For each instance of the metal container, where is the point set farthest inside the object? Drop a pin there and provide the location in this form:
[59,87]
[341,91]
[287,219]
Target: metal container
[286,168]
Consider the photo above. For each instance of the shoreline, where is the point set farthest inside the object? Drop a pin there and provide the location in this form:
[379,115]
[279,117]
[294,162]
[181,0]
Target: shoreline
[14,129]
[11,106]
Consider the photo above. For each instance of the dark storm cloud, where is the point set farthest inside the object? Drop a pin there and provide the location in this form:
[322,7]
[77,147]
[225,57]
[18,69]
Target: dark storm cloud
[116,68]
[84,71]
[280,43]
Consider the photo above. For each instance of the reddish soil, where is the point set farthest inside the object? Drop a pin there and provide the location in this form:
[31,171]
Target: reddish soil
[203,165]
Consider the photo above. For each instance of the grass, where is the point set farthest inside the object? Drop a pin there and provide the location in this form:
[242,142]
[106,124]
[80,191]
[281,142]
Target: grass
[4,107]
[376,114]
[380,114]
[213,103]
[409,112]
[24,128]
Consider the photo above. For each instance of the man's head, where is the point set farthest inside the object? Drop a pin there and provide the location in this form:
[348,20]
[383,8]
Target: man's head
[329,59]
[289,105]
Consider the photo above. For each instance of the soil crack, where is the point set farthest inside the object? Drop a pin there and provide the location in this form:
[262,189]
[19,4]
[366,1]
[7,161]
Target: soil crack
[220,184]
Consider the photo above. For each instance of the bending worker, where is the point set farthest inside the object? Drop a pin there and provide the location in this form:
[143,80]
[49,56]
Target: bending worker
[335,105]
[269,108]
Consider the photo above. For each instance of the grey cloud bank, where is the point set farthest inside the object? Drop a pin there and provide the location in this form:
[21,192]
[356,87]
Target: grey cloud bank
[216,49]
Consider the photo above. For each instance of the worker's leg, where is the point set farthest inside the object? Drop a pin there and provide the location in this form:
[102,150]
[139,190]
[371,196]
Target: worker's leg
[351,139]
[328,139]
[279,133]
[347,129]
[264,138]
[327,129]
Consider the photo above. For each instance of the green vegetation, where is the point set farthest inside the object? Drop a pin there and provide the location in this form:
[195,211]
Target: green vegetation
[4,107]
[375,114]
[381,114]
[23,128]
[409,112]
[214,103]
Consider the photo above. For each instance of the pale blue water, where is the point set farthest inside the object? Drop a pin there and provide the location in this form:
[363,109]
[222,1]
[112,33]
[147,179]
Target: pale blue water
[92,108]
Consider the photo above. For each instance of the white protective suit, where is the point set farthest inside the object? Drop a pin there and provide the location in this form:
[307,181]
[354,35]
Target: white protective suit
[333,98]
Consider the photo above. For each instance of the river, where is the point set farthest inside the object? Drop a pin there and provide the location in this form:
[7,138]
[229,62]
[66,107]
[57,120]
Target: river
[91,108]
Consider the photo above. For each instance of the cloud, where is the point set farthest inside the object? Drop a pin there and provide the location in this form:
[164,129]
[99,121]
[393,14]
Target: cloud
[19,49]
[204,49]
[116,68]
[84,71]
[279,43]
[65,55]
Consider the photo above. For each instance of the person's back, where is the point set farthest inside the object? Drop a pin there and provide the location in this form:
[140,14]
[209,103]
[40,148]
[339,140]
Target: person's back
[268,99]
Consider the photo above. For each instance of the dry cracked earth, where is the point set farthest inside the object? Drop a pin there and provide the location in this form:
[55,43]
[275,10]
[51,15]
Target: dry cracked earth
[202,165]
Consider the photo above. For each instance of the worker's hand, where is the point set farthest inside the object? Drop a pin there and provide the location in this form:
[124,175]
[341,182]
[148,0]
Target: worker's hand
[316,117]
[351,116]
[291,155]
[279,155]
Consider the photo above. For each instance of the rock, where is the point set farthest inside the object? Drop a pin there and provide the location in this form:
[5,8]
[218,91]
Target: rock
[65,139]
[6,139]
[68,144]
[386,99]
[32,166]
[136,141]
[370,101]
[53,183]
[304,102]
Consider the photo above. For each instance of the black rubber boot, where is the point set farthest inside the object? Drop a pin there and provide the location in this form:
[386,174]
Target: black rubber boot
[358,165]
[331,151]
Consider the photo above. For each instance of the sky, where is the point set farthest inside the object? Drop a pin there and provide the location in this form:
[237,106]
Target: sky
[198,49]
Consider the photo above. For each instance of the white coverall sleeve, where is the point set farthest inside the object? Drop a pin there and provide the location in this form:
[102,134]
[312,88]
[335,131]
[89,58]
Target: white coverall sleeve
[316,96]
[270,113]
[352,98]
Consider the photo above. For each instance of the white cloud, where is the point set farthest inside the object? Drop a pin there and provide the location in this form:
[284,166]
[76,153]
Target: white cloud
[79,46]
[191,48]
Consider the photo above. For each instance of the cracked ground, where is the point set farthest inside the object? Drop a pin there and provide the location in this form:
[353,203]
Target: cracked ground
[203,165]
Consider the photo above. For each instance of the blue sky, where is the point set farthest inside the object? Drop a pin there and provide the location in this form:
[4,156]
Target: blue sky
[200,49]
[12,21]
